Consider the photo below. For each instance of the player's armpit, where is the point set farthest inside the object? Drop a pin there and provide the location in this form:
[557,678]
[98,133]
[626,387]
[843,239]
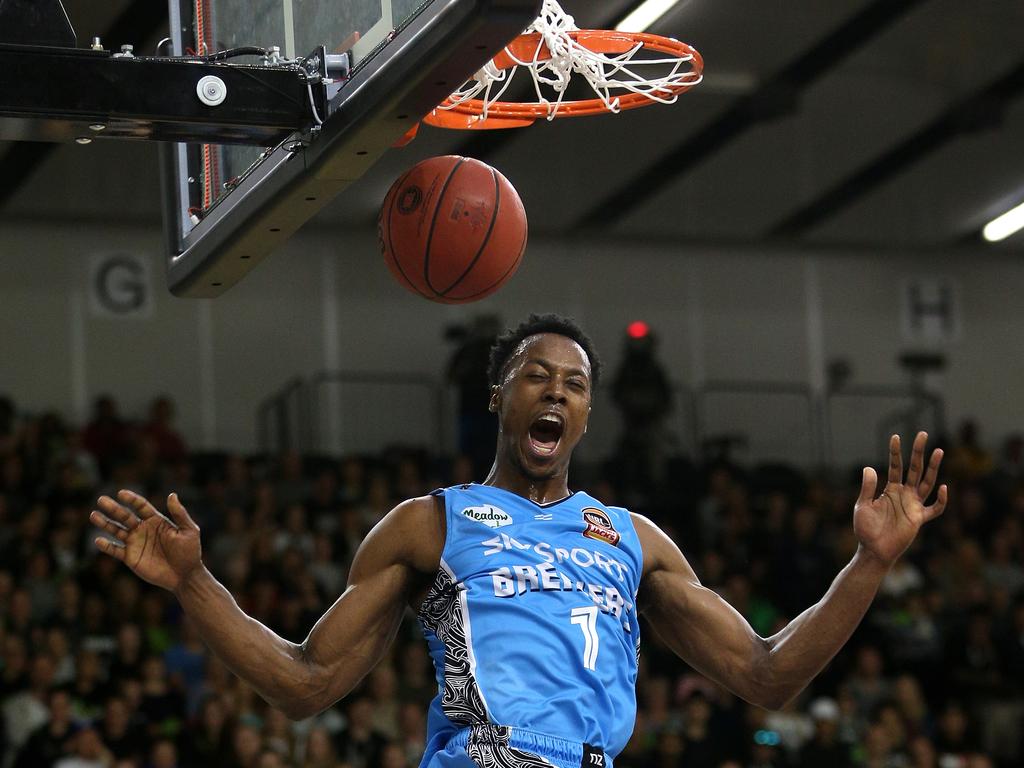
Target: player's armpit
[398,557]
[697,624]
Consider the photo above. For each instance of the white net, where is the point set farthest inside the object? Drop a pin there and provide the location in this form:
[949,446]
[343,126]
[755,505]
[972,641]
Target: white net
[558,55]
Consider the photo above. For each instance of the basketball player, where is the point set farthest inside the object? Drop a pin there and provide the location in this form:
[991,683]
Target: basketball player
[528,593]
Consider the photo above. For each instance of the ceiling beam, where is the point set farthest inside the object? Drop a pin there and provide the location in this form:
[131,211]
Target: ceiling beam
[140,21]
[982,110]
[776,97]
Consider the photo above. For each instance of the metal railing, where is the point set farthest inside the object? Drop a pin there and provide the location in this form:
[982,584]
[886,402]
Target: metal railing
[366,411]
[893,409]
[337,412]
[786,411]
[282,419]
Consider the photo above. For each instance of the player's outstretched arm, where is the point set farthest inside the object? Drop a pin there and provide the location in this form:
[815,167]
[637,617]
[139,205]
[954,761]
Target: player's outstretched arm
[343,646]
[715,639]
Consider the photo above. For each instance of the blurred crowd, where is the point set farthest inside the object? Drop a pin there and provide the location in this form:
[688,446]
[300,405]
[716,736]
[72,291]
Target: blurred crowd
[98,668]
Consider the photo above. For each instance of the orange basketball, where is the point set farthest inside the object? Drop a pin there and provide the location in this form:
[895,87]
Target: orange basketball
[452,229]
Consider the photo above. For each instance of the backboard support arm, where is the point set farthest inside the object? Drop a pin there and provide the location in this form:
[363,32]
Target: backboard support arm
[63,94]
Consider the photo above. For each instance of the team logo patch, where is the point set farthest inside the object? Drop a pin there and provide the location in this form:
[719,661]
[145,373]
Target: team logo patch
[490,516]
[599,526]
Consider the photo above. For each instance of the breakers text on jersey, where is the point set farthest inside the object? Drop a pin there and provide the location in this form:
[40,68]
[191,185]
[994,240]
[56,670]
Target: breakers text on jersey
[545,576]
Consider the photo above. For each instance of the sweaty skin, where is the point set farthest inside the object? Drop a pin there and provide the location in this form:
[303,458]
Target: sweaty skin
[549,375]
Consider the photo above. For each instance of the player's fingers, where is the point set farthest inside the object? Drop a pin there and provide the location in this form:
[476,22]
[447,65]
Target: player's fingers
[916,460]
[930,475]
[117,512]
[895,461]
[178,513]
[108,547]
[868,484]
[140,504]
[109,526]
[939,506]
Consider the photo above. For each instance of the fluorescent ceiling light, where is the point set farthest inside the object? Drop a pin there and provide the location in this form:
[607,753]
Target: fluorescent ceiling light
[644,15]
[1003,226]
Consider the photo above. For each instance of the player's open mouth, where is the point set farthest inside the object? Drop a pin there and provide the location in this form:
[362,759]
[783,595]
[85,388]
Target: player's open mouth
[545,432]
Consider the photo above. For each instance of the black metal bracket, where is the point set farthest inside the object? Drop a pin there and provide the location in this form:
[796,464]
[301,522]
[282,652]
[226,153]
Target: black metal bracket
[63,94]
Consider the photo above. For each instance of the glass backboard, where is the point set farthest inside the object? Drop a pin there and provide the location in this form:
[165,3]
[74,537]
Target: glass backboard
[229,205]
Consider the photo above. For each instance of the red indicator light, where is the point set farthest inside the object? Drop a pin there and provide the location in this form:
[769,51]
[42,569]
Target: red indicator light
[638,329]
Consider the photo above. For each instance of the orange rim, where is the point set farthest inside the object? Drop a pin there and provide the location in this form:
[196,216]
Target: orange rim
[530,47]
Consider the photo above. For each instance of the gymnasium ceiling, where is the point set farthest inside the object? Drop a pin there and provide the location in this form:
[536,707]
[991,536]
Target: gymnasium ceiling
[896,124]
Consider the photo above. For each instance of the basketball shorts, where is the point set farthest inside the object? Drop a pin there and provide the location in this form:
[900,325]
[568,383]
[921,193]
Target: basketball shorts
[501,746]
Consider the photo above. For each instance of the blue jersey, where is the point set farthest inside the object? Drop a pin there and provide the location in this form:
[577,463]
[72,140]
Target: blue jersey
[531,621]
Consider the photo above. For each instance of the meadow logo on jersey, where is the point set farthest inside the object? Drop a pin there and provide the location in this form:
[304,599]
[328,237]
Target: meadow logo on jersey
[599,526]
[488,515]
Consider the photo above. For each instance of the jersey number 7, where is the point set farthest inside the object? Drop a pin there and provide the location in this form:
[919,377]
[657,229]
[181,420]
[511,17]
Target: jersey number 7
[586,618]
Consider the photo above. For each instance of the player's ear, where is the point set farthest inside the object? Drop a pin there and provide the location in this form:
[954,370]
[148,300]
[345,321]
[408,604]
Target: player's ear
[495,401]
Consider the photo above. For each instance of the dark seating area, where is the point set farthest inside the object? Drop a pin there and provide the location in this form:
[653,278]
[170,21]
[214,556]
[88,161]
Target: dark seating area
[99,669]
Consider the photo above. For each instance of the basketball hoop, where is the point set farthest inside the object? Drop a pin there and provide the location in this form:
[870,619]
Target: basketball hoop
[553,49]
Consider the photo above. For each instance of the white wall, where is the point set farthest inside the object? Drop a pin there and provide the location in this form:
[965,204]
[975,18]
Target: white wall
[722,314]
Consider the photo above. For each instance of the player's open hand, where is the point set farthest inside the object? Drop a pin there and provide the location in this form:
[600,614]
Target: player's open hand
[887,525]
[161,550]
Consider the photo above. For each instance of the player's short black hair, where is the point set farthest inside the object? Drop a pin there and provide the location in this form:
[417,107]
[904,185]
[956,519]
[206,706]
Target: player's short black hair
[506,344]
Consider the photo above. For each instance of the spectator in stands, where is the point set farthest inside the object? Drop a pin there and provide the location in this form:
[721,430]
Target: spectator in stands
[913,709]
[48,742]
[270,759]
[19,617]
[391,756]
[207,740]
[968,460]
[186,664]
[116,730]
[642,392]
[295,532]
[320,752]
[87,750]
[878,750]
[824,749]
[383,685]
[867,684]
[953,611]
[922,753]
[87,690]
[8,415]
[412,728]
[107,436]
[278,736]
[360,744]
[162,706]
[170,445]
[324,568]
[954,739]
[702,745]
[973,659]
[324,498]
[58,647]
[246,747]
[238,483]
[127,656]
[27,709]
[164,754]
